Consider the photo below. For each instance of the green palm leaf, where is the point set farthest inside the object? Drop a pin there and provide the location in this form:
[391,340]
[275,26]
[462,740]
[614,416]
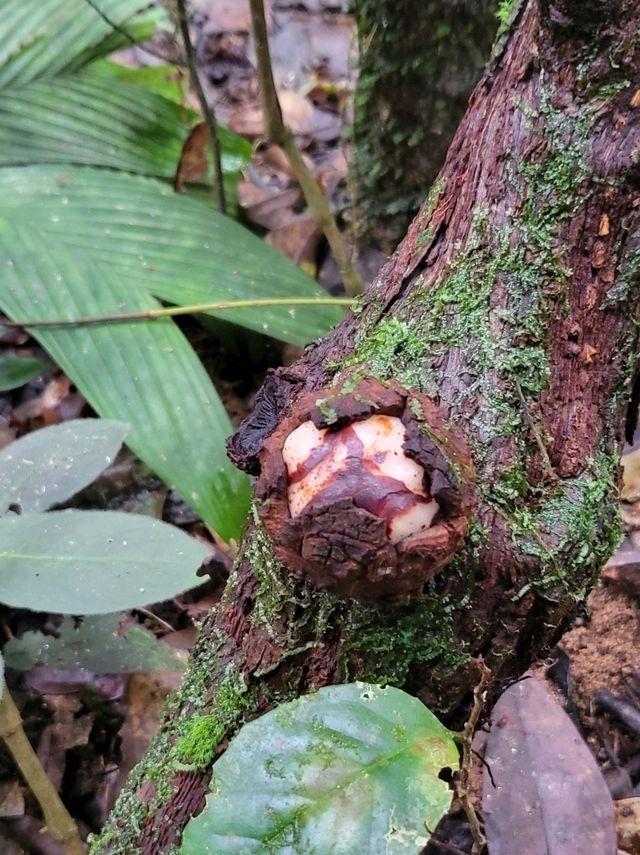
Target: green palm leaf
[168,245]
[101,121]
[143,374]
[42,38]
[78,238]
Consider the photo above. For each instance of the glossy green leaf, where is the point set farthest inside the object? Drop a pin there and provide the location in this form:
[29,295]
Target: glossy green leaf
[97,644]
[47,37]
[50,465]
[15,371]
[166,80]
[145,374]
[350,769]
[101,121]
[93,562]
[156,241]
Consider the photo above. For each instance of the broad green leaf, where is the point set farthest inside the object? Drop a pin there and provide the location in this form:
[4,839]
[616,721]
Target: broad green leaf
[350,769]
[97,644]
[154,241]
[166,80]
[145,374]
[41,38]
[93,562]
[101,121]
[50,465]
[15,371]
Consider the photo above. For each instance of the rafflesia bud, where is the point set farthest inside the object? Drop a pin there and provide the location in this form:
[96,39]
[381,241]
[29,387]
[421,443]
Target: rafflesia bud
[366,493]
[365,461]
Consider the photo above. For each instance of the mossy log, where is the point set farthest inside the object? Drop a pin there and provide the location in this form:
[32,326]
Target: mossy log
[513,305]
[418,63]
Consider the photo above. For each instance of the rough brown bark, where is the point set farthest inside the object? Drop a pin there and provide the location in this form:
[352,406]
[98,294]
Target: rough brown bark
[513,304]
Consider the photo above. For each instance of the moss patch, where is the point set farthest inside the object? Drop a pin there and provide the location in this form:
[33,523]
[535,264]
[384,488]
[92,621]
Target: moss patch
[393,638]
[281,595]
[565,529]
[392,348]
[203,733]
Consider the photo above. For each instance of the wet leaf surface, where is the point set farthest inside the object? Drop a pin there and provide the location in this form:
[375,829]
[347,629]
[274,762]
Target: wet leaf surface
[93,562]
[49,466]
[15,371]
[349,769]
[98,644]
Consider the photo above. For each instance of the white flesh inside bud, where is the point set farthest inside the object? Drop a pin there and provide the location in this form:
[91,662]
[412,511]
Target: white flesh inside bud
[418,518]
[382,438]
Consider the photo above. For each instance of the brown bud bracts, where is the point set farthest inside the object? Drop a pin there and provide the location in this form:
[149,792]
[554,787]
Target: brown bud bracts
[366,493]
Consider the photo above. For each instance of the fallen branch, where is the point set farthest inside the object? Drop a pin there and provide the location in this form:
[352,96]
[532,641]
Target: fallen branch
[462,789]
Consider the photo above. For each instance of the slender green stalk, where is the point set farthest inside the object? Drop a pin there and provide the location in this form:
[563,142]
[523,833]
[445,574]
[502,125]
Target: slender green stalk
[278,133]
[172,311]
[133,41]
[205,107]
[60,824]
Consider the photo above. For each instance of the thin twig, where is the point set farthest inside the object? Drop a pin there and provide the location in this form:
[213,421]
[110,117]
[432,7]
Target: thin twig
[462,788]
[60,824]
[544,454]
[172,311]
[207,109]
[118,28]
[279,134]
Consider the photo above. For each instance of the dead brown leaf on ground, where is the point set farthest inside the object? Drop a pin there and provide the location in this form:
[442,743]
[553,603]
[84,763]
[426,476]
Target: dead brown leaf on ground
[543,793]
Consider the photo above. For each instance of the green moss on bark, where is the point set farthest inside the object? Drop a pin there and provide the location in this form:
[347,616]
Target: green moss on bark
[391,639]
[503,351]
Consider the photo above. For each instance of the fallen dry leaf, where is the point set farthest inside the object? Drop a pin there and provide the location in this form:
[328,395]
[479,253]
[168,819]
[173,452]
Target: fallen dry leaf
[269,208]
[193,165]
[543,793]
[298,240]
[298,112]
[69,729]
[11,799]
[631,474]
[226,15]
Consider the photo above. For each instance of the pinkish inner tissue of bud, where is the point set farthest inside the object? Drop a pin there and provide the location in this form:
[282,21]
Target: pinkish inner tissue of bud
[364,461]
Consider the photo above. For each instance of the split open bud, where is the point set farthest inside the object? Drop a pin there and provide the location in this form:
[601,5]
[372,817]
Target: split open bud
[364,461]
[366,493]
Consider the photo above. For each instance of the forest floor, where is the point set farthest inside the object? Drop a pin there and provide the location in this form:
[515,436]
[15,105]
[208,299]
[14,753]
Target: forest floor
[91,728]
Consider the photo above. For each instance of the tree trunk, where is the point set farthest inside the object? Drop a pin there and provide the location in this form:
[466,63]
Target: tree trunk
[512,304]
[418,63]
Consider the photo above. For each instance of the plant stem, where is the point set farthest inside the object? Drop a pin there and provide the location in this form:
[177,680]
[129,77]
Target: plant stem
[207,110]
[60,824]
[118,28]
[277,132]
[171,311]
[462,789]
